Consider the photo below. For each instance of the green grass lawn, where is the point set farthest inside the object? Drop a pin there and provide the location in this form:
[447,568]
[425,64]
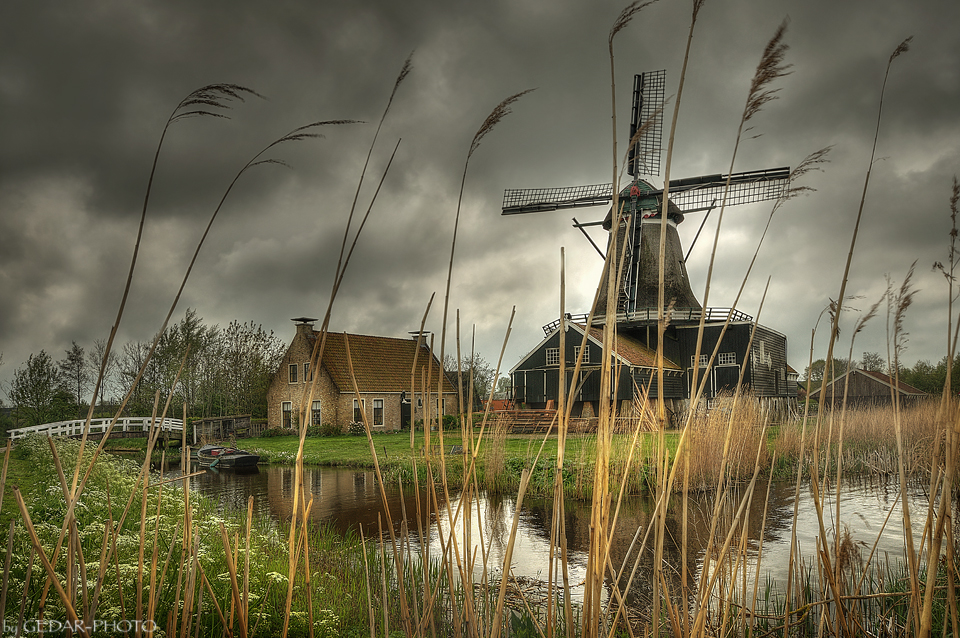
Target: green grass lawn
[354,451]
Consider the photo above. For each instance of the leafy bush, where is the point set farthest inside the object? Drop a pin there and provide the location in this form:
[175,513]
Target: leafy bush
[328,429]
[269,432]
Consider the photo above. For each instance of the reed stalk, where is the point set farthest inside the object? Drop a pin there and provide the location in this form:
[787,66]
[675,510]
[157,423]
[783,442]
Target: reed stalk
[661,300]
[858,327]
[6,568]
[237,600]
[198,104]
[404,610]
[47,565]
[3,475]
[720,495]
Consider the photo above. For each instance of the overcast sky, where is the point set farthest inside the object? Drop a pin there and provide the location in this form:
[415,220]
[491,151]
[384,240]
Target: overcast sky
[86,88]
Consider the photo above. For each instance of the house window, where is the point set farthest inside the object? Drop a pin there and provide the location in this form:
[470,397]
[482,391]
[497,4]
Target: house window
[293,372]
[553,356]
[315,413]
[358,408]
[306,372]
[727,358]
[703,361]
[586,353]
[286,409]
[378,411]
[441,407]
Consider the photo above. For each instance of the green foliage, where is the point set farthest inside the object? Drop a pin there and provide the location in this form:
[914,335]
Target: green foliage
[873,362]
[815,371]
[37,392]
[272,432]
[76,376]
[325,429]
[483,376]
[929,377]
[337,589]
[225,370]
[522,626]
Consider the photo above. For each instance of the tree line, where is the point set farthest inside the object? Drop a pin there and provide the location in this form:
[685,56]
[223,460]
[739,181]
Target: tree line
[224,371]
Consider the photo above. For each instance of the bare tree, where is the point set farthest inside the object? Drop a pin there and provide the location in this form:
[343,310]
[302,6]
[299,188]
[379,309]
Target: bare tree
[95,360]
[76,375]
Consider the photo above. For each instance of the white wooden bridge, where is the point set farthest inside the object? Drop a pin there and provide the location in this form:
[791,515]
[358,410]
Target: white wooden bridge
[125,427]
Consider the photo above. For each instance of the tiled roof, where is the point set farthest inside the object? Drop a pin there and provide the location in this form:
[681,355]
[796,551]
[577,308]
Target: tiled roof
[634,352]
[906,388]
[380,364]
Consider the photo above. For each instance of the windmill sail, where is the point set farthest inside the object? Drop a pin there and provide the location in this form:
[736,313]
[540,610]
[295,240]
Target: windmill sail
[648,91]
[690,194]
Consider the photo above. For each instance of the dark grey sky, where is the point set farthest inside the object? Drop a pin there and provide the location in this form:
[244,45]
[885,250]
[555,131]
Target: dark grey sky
[85,89]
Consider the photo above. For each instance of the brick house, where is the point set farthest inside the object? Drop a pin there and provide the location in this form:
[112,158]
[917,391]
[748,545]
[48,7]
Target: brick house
[382,366]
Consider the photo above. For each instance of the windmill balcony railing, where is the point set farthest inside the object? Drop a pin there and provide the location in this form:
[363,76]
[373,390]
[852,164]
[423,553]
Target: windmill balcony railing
[97,426]
[685,315]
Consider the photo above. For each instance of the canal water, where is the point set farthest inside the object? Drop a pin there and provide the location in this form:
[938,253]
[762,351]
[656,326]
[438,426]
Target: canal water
[350,499]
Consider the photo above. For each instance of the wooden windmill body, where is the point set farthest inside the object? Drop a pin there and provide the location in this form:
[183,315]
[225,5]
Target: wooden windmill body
[635,235]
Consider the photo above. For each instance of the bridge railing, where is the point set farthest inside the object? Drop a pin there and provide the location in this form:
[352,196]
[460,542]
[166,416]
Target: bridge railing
[97,426]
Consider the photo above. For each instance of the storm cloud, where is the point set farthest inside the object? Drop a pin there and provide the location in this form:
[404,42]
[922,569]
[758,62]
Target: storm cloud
[86,88]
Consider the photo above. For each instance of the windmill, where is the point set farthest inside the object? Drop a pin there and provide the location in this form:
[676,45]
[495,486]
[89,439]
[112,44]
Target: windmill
[640,205]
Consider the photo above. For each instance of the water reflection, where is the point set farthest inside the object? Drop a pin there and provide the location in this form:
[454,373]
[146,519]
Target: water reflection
[344,499]
[350,499]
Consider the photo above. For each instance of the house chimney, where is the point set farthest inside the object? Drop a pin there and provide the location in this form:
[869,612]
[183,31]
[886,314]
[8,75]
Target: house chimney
[304,325]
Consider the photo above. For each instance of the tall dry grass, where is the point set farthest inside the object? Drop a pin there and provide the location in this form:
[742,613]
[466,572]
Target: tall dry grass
[869,440]
[708,432]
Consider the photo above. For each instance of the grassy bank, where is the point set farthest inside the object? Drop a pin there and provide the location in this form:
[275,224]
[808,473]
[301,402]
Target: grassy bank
[132,562]
[869,449]
[501,459]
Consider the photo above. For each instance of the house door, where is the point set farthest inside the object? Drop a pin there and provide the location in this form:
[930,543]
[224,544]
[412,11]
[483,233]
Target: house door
[725,379]
[404,415]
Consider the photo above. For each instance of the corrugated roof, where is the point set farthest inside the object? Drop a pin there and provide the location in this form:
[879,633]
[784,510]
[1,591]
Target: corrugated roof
[380,364]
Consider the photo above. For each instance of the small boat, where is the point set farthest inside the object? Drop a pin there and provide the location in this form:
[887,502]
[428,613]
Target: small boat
[225,456]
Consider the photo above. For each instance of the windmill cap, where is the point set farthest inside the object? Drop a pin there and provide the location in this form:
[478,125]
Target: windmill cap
[647,206]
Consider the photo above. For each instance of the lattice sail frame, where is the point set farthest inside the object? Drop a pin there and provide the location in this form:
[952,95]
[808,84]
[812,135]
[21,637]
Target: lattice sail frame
[531,200]
[690,194]
[648,95]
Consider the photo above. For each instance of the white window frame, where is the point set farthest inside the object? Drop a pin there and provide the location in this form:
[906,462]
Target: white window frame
[703,360]
[378,405]
[362,406]
[286,414]
[315,417]
[440,406]
[727,359]
[292,370]
[553,356]
[586,353]
[306,372]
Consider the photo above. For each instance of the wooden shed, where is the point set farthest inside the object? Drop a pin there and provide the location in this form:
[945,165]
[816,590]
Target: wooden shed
[219,428]
[867,389]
